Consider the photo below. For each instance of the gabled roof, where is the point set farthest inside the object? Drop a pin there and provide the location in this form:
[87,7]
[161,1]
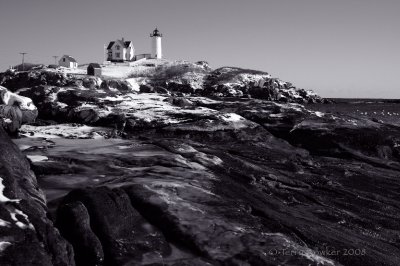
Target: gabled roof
[94,65]
[127,44]
[70,58]
[110,45]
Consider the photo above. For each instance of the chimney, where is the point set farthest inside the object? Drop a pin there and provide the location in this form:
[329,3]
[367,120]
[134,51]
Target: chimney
[123,40]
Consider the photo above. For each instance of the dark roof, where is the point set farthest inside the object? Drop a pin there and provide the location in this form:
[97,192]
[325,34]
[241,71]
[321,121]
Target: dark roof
[127,43]
[70,58]
[110,45]
[94,65]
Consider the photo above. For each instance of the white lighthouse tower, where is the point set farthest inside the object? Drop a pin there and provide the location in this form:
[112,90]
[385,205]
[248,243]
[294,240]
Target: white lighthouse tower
[156,51]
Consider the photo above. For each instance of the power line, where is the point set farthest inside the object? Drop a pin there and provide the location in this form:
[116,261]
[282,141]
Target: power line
[23,60]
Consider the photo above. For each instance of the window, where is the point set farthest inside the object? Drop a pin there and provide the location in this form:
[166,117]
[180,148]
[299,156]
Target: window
[117,47]
[63,59]
[117,55]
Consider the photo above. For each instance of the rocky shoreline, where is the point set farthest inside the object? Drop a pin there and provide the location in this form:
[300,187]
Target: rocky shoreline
[28,237]
[165,175]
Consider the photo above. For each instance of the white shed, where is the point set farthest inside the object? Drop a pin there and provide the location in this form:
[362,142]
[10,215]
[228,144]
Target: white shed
[68,61]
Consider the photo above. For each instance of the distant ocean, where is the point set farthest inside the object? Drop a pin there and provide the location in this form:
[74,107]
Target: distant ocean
[363,100]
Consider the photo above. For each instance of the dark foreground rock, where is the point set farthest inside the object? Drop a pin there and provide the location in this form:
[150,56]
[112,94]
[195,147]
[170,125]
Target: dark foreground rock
[176,203]
[27,236]
[120,234]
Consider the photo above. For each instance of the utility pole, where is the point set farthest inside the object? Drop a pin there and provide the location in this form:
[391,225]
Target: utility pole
[23,60]
[55,59]
[105,53]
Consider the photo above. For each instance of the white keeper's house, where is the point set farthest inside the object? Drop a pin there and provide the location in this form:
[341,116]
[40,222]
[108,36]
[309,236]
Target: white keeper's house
[120,51]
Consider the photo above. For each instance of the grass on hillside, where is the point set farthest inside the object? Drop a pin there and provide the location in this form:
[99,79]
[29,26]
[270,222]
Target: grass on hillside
[226,74]
[169,71]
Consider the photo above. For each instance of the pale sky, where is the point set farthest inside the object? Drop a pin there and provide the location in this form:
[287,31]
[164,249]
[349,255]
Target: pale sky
[338,48]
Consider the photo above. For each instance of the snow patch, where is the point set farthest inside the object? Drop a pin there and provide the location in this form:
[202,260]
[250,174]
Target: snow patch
[88,105]
[113,99]
[63,131]
[208,159]
[4,223]
[37,158]
[3,198]
[24,147]
[124,147]
[4,245]
[14,212]
[135,83]
[232,117]
[25,103]
[18,223]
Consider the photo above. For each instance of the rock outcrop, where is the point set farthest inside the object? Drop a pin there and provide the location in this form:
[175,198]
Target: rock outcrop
[237,82]
[15,110]
[27,236]
[17,80]
[178,78]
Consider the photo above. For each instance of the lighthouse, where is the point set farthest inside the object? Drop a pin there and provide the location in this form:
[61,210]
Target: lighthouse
[156,51]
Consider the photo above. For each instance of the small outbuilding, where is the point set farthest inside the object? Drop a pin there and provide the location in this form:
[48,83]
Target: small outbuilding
[94,69]
[68,61]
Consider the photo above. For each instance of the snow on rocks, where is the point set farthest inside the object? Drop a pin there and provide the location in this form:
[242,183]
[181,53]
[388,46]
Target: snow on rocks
[3,198]
[15,110]
[153,109]
[4,223]
[245,78]
[237,82]
[17,216]
[135,83]
[194,80]
[25,223]
[10,99]
[4,245]
[319,114]
[73,131]
[7,120]
[232,117]
[37,158]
